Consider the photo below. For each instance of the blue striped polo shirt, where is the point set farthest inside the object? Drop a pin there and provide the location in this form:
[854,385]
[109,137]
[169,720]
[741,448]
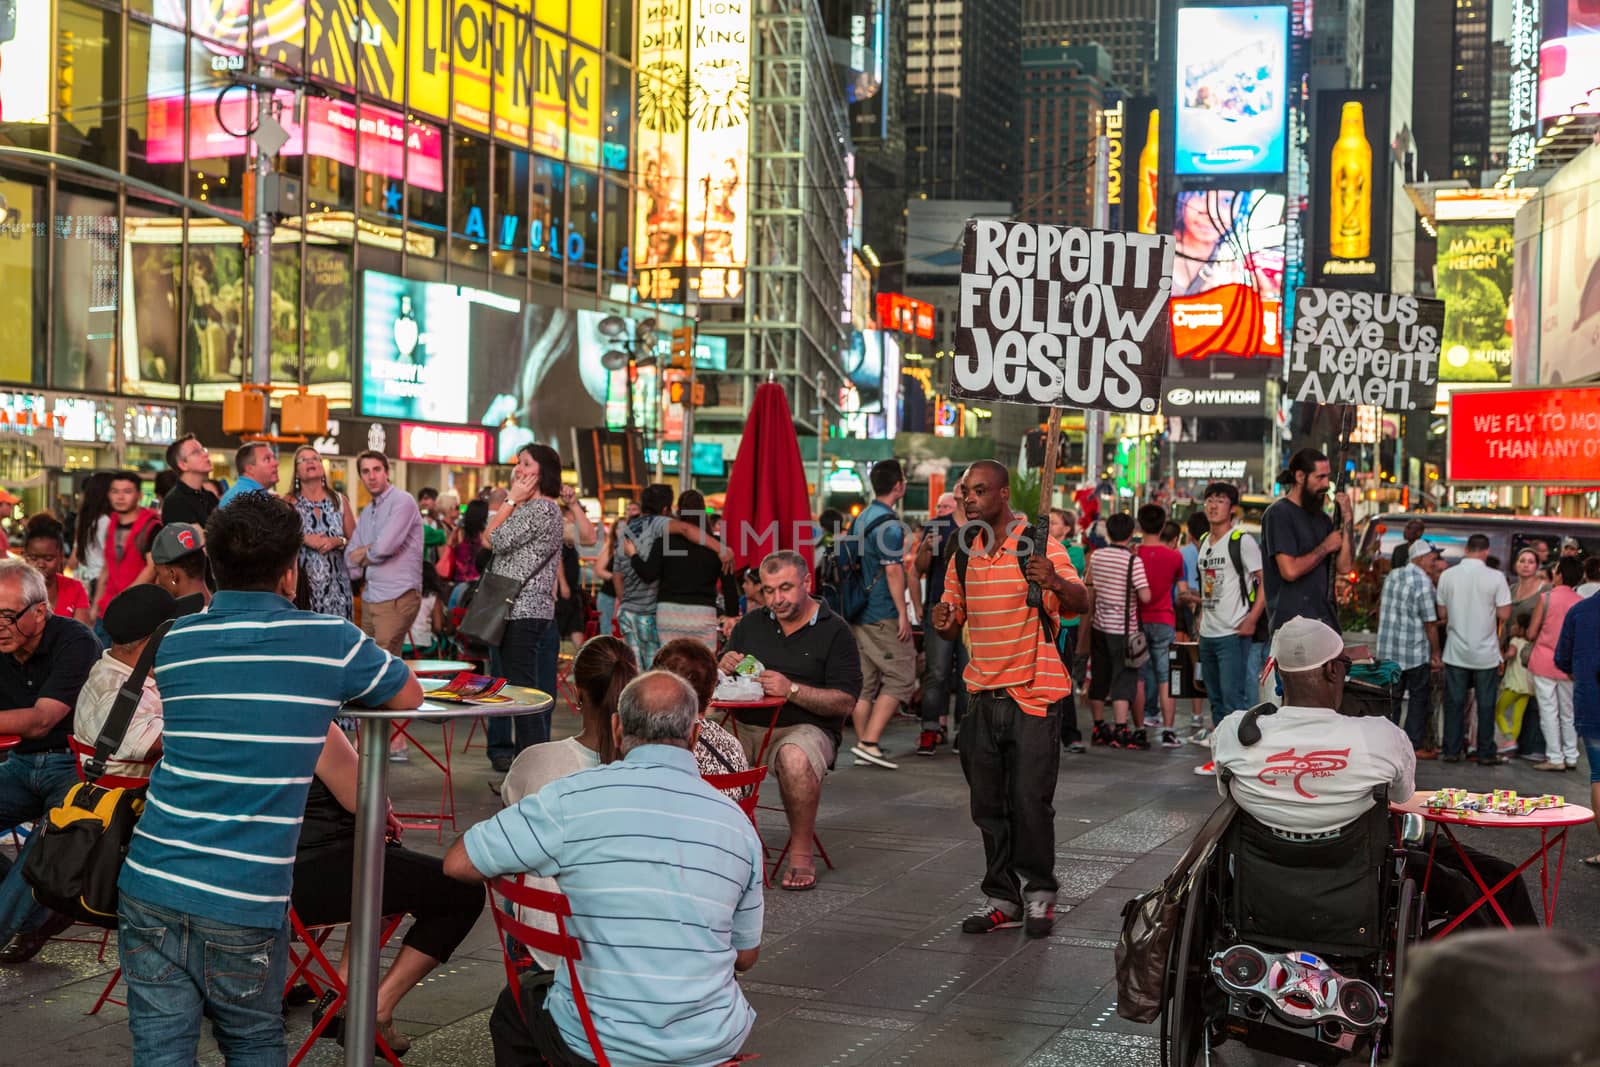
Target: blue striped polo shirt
[248,690]
[664,876]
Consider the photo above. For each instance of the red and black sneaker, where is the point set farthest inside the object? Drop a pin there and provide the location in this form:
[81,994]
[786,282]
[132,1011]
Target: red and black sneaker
[1138,740]
[1123,738]
[927,741]
[989,918]
[1101,734]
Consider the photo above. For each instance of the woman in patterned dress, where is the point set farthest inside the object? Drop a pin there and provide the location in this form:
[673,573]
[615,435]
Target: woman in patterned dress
[327,522]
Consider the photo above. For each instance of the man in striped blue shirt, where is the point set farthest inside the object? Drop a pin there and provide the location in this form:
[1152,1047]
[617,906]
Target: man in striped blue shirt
[249,689]
[664,876]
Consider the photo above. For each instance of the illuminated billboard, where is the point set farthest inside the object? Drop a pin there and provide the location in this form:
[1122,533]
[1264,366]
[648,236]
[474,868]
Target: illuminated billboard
[1473,278]
[1141,163]
[1568,57]
[1350,175]
[1232,82]
[1227,277]
[25,62]
[693,131]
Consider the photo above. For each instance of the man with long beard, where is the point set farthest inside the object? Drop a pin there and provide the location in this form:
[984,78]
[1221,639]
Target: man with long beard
[1299,536]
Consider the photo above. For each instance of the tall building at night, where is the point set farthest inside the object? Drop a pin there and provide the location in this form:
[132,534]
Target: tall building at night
[1453,130]
[963,137]
[1063,90]
[1126,29]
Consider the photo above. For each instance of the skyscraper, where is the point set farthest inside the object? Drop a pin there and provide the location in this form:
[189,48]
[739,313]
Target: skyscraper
[1453,129]
[1062,93]
[962,84]
[1126,29]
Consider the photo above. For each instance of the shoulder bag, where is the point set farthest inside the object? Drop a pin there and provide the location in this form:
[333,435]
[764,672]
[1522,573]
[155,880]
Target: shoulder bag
[1137,652]
[489,610]
[74,864]
[1151,921]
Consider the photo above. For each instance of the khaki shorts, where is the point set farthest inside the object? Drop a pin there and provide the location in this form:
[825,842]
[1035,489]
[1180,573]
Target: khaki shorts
[815,742]
[888,665]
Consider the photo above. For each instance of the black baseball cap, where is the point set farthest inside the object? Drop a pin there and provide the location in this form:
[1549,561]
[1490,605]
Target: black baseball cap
[134,613]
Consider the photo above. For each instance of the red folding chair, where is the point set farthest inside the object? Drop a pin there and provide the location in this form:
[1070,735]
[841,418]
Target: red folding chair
[312,959]
[564,681]
[102,936]
[750,779]
[435,820]
[562,944]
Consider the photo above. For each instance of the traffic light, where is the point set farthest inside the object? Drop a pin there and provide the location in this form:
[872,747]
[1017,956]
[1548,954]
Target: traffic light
[677,391]
[683,347]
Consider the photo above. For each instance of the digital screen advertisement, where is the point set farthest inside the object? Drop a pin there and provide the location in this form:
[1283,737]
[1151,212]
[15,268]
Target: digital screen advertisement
[1473,277]
[1232,80]
[1569,57]
[1141,163]
[1227,275]
[433,352]
[25,61]
[1351,176]
[1532,436]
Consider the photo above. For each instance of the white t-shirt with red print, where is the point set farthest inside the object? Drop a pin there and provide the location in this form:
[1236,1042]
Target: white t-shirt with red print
[1313,769]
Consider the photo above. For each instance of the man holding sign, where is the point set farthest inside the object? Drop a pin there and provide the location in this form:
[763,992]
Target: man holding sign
[1010,751]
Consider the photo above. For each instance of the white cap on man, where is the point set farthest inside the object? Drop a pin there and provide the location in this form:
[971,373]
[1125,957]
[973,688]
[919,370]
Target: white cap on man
[1303,644]
[1419,548]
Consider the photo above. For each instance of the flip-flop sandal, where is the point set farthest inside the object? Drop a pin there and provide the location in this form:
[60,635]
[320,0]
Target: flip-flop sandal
[808,873]
[1592,861]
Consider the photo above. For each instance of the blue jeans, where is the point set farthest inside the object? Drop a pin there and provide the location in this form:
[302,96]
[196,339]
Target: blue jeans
[1156,668]
[946,662]
[1457,680]
[182,968]
[1255,663]
[528,656]
[1225,666]
[606,605]
[30,785]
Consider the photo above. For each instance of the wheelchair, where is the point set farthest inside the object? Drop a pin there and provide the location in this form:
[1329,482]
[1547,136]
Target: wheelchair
[1294,945]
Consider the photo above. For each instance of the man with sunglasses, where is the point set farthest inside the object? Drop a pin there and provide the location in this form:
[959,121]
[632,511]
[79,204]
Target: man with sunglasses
[44,660]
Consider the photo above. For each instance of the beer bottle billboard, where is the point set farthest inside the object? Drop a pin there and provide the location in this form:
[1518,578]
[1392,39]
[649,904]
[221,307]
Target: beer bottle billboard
[1352,165]
[1149,174]
[1350,187]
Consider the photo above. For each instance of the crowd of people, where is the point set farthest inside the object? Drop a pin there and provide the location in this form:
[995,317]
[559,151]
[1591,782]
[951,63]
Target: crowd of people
[285,608]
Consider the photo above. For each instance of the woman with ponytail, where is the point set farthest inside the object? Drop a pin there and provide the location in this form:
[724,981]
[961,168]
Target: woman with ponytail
[602,667]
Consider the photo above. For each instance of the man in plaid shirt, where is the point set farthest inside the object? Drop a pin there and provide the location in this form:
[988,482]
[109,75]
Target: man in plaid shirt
[1408,634]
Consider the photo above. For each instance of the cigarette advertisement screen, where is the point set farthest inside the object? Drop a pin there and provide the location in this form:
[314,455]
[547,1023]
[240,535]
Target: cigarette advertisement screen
[1232,84]
[1227,276]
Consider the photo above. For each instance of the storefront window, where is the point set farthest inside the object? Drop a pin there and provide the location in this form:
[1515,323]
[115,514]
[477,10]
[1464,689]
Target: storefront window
[88,73]
[511,226]
[614,237]
[285,312]
[330,173]
[155,105]
[217,324]
[469,203]
[548,207]
[581,245]
[425,216]
[152,294]
[218,157]
[618,115]
[84,302]
[619,28]
[329,304]
[23,280]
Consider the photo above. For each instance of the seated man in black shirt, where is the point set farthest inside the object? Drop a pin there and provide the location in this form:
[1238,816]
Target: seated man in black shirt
[44,660]
[810,658]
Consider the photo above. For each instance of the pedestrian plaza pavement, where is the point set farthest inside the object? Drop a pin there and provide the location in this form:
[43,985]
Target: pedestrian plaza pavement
[871,966]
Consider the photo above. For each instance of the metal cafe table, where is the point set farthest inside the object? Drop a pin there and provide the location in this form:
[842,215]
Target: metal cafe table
[361,1010]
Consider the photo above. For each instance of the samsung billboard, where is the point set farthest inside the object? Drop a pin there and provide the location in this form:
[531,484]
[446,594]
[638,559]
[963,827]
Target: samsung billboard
[1232,90]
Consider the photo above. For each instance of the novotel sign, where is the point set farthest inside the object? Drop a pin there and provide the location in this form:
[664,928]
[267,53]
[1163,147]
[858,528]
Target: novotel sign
[1206,398]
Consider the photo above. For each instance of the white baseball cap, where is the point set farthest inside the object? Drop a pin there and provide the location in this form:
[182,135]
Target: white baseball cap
[1419,548]
[1303,644]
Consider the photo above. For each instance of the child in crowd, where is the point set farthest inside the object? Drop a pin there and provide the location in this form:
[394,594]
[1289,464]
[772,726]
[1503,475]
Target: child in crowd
[44,548]
[1516,685]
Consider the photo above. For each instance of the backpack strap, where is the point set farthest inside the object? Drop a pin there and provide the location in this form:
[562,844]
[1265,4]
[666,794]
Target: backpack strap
[861,559]
[960,564]
[1247,591]
[127,700]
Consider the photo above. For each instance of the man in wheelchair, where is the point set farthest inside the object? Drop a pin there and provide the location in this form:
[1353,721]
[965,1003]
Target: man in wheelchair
[1293,933]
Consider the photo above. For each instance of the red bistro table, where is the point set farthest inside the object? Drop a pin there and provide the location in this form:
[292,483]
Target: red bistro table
[1552,824]
[7,743]
[729,707]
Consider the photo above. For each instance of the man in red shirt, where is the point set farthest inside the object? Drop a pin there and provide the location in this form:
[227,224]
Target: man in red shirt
[1163,568]
[128,544]
[1010,748]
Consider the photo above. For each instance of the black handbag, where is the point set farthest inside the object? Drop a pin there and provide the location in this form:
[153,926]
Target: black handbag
[77,857]
[1137,650]
[489,610]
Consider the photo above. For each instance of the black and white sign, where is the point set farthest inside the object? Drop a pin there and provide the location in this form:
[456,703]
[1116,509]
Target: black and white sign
[1062,316]
[1191,397]
[1378,349]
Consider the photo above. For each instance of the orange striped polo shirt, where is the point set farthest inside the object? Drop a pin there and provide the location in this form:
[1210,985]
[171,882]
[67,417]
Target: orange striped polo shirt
[1009,649]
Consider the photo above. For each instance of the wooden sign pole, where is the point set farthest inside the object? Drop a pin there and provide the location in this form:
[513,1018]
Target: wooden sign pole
[1047,483]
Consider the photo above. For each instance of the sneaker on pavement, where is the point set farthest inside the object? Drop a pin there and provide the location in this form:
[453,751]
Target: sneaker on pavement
[1169,739]
[872,754]
[399,755]
[1427,753]
[1138,740]
[1078,747]
[989,918]
[1202,737]
[1102,733]
[1534,757]
[1207,769]
[1039,918]
[1122,738]
[927,741]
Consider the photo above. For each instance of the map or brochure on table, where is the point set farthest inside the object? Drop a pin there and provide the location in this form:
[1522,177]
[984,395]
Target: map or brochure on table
[469,688]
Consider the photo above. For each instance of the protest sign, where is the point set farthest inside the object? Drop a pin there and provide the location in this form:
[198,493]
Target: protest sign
[1062,316]
[1377,349]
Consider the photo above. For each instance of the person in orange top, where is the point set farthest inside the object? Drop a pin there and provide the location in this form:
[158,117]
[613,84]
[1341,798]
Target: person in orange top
[1010,751]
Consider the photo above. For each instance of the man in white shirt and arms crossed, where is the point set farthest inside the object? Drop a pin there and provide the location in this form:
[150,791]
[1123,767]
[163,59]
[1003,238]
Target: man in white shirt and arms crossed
[1474,603]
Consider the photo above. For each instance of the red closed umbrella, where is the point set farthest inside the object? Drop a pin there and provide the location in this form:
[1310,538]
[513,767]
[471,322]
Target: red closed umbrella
[768,507]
